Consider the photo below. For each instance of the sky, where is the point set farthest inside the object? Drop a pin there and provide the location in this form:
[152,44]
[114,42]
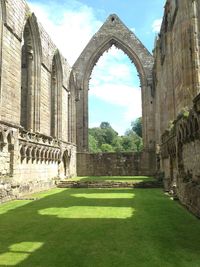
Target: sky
[114,89]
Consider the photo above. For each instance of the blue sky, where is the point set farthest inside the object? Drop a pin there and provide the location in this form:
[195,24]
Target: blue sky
[114,94]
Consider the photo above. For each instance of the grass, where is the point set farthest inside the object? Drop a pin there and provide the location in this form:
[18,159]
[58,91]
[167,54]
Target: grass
[98,228]
[136,179]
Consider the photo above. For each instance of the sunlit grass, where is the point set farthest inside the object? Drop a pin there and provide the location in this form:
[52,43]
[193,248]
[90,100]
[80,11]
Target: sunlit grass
[106,195]
[113,178]
[98,228]
[18,253]
[84,212]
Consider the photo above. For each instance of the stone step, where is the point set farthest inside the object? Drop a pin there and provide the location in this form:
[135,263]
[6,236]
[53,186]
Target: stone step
[104,184]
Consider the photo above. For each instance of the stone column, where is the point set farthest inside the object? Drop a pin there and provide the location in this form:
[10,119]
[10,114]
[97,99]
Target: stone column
[30,92]
[195,49]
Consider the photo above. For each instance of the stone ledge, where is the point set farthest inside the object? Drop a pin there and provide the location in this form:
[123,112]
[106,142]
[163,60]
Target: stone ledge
[100,184]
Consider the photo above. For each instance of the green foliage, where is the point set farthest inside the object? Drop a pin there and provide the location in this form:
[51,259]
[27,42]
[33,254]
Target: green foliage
[107,148]
[137,126]
[136,143]
[93,145]
[105,125]
[106,139]
[105,136]
[184,113]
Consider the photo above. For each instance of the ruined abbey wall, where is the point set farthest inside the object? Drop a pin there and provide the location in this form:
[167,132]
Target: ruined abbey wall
[177,100]
[37,105]
[116,164]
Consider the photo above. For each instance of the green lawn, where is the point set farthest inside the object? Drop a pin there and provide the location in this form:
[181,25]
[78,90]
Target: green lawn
[98,228]
[136,179]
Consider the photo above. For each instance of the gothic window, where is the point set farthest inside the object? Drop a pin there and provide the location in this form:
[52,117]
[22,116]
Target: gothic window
[173,11]
[56,97]
[30,76]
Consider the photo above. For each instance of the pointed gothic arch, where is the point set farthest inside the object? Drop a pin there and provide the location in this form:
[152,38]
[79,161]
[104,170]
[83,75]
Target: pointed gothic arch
[114,32]
[31,76]
[56,96]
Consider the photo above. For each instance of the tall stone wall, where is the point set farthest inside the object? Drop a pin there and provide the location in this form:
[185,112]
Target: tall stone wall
[119,164]
[37,105]
[177,87]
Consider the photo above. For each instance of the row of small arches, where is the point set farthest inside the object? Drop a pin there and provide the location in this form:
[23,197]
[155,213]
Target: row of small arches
[40,155]
[6,139]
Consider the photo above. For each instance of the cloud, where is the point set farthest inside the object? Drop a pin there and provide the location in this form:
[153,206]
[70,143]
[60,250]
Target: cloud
[114,66]
[67,26]
[120,95]
[113,81]
[156,25]
[133,29]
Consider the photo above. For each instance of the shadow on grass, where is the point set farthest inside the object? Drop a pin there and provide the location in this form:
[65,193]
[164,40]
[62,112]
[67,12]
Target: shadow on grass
[101,228]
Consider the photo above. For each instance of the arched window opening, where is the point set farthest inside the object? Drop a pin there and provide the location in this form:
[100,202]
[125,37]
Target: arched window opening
[115,99]
[143,60]
[30,76]
[56,97]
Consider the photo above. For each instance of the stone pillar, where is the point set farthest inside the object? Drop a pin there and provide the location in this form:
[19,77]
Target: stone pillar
[195,49]
[30,92]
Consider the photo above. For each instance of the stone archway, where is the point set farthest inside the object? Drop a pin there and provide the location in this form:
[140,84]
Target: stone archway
[31,75]
[114,32]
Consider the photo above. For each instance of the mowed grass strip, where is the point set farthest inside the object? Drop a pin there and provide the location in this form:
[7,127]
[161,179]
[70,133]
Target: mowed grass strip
[135,179]
[98,228]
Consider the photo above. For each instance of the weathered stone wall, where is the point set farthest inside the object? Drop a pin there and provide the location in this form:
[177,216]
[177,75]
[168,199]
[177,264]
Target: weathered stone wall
[176,73]
[109,164]
[37,131]
[180,153]
[177,112]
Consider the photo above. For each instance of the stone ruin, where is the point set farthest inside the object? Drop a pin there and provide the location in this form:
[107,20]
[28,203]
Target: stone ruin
[44,104]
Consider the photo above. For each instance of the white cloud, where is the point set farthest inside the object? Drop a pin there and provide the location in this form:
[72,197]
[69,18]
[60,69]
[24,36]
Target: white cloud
[114,66]
[120,95]
[156,25]
[68,27]
[133,29]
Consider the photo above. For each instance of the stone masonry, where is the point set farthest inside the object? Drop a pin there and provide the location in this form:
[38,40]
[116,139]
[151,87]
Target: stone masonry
[116,164]
[37,105]
[177,101]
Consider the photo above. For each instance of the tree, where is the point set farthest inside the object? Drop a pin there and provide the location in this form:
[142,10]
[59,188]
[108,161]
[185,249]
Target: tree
[105,139]
[98,134]
[105,125]
[93,144]
[137,126]
[136,140]
[107,148]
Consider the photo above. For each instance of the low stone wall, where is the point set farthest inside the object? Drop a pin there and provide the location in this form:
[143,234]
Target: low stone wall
[109,184]
[30,162]
[116,164]
[10,190]
[180,157]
